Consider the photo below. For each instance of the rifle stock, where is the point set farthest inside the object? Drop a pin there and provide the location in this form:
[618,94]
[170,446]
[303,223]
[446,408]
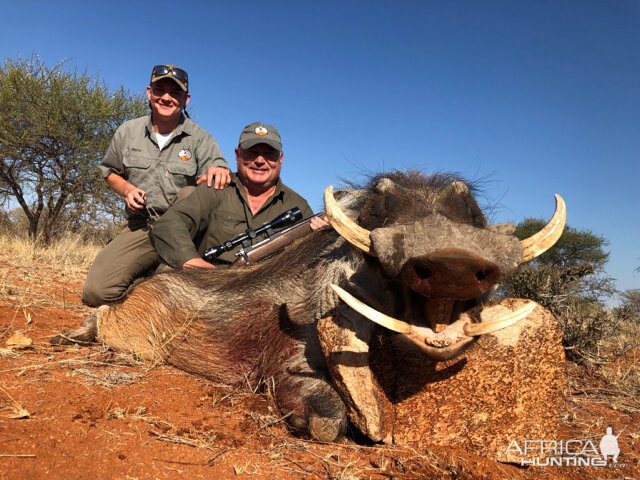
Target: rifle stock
[277,242]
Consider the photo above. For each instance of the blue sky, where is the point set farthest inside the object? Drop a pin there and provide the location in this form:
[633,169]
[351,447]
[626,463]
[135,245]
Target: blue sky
[531,97]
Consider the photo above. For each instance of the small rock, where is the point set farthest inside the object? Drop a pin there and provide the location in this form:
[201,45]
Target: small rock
[19,341]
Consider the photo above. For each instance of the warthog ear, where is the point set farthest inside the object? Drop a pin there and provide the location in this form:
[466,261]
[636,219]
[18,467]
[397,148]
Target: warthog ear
[463,205]
[383,205]
[385,185]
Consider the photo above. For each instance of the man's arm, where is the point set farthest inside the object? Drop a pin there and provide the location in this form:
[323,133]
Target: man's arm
[212,166]
[197,262]
[134,197]
[173,233]
[112,170]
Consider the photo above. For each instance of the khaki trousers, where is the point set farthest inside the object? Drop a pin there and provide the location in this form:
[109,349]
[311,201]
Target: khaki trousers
[129,256]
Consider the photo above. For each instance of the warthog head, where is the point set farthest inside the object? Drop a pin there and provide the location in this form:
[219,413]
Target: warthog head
[435,245]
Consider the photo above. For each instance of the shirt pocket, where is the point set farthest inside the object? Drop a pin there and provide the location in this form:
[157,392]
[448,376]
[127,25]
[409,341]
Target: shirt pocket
[136,168]
[183,168]
[229,224]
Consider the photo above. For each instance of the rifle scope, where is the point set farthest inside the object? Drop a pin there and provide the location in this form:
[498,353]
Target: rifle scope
[287,218]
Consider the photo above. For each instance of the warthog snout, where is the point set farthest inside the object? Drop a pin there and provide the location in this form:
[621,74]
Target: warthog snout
[451,273]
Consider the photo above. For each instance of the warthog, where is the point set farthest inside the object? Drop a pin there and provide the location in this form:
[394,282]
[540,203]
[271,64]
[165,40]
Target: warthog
[411,252]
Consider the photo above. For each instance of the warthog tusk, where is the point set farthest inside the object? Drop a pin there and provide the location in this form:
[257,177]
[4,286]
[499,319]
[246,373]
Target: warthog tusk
[347,228]
[543,240]
[427,335]
[475,329]
[372,314]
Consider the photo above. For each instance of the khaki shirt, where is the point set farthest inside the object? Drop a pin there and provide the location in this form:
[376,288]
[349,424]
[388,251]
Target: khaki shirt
[134,155]
[210,217]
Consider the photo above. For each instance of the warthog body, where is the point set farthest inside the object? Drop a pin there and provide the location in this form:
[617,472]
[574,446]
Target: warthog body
[432,258]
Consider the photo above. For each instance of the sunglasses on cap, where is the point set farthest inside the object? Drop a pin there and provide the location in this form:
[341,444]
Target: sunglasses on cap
[160,70]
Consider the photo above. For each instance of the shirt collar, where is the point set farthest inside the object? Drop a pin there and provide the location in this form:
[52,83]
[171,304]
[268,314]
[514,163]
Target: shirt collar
[277,194]
[184,126]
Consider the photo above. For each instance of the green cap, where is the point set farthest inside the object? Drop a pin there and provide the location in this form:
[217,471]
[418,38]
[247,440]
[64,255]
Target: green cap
[258,132]
[176,74]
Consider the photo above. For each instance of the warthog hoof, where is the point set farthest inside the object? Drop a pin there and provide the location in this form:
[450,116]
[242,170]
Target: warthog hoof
[326,429]
[83,335]
[324,417]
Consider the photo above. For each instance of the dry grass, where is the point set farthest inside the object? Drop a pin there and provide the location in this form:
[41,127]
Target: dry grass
[613,382]
[34,276]
[69,254]
[605,347]
[17,411]
[108,379]
[8,353]
[626,338]
[621,373]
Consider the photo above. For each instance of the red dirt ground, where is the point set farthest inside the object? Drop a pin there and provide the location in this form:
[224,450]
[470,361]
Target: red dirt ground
[89,413]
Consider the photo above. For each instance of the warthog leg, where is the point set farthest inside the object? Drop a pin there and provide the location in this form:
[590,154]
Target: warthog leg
[311,406]
[86,333]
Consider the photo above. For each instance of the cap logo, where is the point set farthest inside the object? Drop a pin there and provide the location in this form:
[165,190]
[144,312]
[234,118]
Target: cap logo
[261,131]
[184,155]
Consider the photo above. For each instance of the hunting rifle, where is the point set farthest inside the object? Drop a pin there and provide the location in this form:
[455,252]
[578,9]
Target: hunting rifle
[274,242]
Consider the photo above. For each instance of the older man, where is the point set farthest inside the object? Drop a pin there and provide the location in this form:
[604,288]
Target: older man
[255,196]
[149,161]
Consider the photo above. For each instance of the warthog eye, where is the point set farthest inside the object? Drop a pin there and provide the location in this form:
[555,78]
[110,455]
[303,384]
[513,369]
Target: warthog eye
[481,275]
[422,272]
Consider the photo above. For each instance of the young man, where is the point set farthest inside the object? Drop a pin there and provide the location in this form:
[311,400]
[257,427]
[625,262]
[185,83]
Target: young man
[149,161]
[255,196]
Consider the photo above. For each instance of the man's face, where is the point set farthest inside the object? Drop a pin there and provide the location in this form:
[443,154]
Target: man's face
[167,99]
[259,166]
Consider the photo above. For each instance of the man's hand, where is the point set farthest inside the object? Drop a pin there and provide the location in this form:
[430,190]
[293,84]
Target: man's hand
[135,199]
[197,263]
[319,223]
[221,175]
